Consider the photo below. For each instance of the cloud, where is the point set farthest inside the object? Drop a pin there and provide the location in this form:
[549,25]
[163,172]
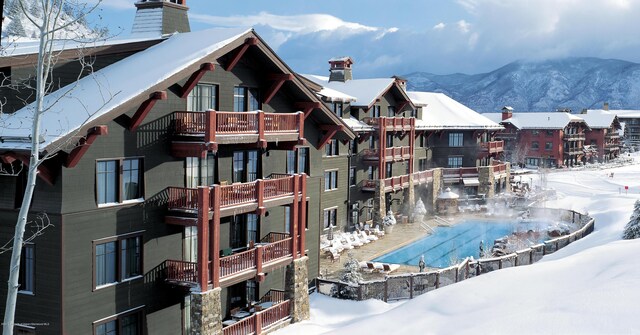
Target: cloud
[113,4]
[439,26]
[387,31]
[463,26]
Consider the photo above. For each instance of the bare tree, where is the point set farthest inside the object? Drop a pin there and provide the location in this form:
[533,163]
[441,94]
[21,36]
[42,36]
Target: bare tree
[50,24]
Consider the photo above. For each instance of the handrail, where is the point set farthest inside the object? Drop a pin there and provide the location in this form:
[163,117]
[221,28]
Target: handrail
[182,271]
[275,250]
[237,262]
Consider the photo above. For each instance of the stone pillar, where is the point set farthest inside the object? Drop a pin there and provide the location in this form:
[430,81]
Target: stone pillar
[437,186]
[508,177]
[206,312]
[379,203]
[411,197]
[296,288]
[485,177]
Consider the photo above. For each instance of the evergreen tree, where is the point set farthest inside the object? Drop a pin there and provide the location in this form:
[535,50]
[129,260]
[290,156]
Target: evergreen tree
[351,272]
[632,229]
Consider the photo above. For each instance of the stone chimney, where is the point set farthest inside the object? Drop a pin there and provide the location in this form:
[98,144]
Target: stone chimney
[340,69]
[606,106]
[507,112]
[159,17]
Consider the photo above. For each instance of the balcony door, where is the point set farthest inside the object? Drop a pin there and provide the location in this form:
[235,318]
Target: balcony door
[244,230]
[200,172]
[245,166]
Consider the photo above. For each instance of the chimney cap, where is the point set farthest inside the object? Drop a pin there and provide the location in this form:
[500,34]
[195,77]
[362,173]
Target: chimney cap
[343,59]
[507,108]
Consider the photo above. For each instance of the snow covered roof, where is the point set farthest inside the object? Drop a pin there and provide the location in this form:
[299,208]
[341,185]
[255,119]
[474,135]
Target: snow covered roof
[448,194]
[537,120]
[357,125]
[441,112]
[93,97]
[333,95]
[341,59]
[365,91]
[626,113]
[599,118]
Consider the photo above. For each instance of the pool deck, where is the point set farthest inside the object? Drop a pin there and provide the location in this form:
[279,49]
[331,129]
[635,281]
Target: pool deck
[402,234]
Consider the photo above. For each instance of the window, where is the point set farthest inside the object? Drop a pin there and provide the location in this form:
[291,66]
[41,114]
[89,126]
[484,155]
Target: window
[375,111]
[330,217]
[337,108]
[352,176]
[245,166]
[455,139]
[422,164]
[370,173]
[202,98]
[532,161]
[244,229]
[200,172]
[118,180]
[373,142]
[455,161]
[291,161]
[535,145]
[389,140]
[252,290]
[548,146]
[535,132]
[330,180]
[594,142]
[354,147]
[413,113]
[354,214]
[303,160]
[245,99]
[287,219]
[129,323]
[549,132]
[331,148]
[391,111]
[123,250]
[389,169]
[27,275]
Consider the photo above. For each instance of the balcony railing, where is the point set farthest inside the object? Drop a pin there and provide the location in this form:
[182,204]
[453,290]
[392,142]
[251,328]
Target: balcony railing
[213,128]
[393,153]
[492,146]
[260,320]
[499,168]
[182,272]
[396,183]
[574,137]
[456,174]
[422,177]
[390,123]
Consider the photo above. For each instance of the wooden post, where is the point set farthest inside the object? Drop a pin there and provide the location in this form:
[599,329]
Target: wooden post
[300,128]
[382,130]
[261,125]
[260,194]
[210,127]
[294,219]
[215,237]
[303,213]
[259,252]
[203,238]
[258,323]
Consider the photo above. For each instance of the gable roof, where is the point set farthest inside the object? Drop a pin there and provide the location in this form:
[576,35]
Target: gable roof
[365,91]
[599,118]
[442,112]
[538,120]
[107,93]
[626,113]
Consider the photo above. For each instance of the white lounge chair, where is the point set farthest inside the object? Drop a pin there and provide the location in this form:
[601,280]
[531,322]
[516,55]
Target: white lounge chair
[358,238]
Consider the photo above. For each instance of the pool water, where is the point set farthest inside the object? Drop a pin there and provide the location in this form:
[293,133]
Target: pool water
[449,245]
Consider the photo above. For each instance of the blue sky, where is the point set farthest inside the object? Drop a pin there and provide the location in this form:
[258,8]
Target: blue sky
[402,36]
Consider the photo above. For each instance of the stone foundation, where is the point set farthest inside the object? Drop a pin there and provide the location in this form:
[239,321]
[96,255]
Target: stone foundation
[436,187]
[206,312]
[379,203]
[296,289]
[487,182]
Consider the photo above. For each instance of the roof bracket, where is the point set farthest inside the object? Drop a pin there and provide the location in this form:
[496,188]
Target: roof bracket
[279,81]
[307,107]
[183,91]
[83,145]
[331,131]
[240,52]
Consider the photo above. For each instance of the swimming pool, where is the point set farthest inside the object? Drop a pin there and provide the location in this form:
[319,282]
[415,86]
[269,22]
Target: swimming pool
[448,245]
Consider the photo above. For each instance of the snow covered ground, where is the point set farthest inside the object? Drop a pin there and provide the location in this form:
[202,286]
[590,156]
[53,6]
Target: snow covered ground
[589,287]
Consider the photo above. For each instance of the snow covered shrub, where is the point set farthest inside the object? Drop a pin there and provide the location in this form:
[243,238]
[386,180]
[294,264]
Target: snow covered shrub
[351,272]
[632,229]
[419,211]
[389,219]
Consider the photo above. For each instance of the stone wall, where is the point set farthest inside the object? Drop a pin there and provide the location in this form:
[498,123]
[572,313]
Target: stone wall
[297,289]
[437,185]
[379,203]
[486,179]
[206,312]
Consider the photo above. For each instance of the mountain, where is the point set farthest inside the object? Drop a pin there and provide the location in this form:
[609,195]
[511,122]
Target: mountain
[17,27]
[575,83]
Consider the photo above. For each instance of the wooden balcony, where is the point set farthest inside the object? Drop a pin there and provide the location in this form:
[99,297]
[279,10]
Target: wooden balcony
[234,199]
[197,132]
[612,135]
[396,154]
[455,175]
[499,169]
[237,267]
[260,320]
[492,147]
[573,137]
[423,177]
[396,183]
[574,151]
[391,123]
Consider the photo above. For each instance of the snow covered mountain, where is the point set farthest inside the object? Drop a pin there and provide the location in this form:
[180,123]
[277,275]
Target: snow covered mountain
[574,83]
[17,27]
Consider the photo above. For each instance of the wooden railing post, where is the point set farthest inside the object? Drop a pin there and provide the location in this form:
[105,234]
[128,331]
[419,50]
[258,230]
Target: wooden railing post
[260,194]
[258,323]
[215,237]
[259,252]
[303,212]
[210,127]
[203,238]
[300,128]
[294,219]
[261,125]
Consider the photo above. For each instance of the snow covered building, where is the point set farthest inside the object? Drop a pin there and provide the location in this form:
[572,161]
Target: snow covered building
[549,139]
[183,186]
[629,123]
[603,134]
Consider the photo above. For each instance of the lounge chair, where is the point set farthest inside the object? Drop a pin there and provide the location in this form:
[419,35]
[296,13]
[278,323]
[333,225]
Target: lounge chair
[345,242]
[388,268]
[378,232]
[368,237]
[333,254]
[354,242]
[357,237]
[375,267]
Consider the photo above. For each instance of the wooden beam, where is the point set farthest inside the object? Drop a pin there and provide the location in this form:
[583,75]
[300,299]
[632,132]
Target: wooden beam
[331,131]
[83,145]
[240,52]
[195,78]
[145,108]
[307,107]
[363,137]
[45,173]
[279,81]
[401,107]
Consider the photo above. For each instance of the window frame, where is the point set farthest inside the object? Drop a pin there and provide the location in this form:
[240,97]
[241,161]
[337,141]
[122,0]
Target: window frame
[456,140]
[119,277]
[250,99]
[193,99]
[332,181]
[332,148]
[535,145]
[352,176]
[118,319]
[449,160]
[23,268]
[119,177]
[338,108]
[326,217]
[548,146]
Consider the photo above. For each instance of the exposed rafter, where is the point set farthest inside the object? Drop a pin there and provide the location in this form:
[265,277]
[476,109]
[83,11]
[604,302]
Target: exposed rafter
[195,78]
[330,132]
[43,171]
[83,145]
[240,52]
[307,107]
[401,106]
[131,123]
[364,136]
[279,80]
